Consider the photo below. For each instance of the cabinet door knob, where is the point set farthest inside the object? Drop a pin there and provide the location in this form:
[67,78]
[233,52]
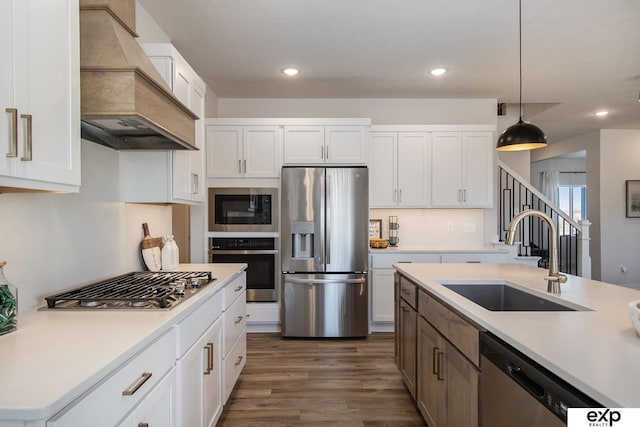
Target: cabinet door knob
[13,123]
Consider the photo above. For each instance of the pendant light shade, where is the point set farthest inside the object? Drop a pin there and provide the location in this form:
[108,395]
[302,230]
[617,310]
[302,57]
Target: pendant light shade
[521,136]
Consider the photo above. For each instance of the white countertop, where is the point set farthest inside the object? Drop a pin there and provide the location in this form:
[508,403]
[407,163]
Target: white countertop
[597,351]
[438,250]
[55,356]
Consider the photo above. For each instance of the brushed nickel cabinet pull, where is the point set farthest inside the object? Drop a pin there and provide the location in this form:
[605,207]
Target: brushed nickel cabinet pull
[400,196]
[239,288]
[13,123]
[239,319]
[464,196]
[244,162]
[327,152]
[143,424]
[194,183]
[322,151]
[130,392]
[28,141]
[240,166]
[209,348]
[239,360]
[435,360]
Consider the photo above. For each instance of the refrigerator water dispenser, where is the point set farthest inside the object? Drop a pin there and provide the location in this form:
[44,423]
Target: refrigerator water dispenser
[302,234]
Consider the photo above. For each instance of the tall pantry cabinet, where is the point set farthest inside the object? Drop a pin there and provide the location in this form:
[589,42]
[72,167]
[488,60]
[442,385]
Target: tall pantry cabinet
[40,95]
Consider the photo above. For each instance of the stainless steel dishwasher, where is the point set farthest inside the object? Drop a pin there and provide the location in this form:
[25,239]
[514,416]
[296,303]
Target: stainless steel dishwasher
[516,391]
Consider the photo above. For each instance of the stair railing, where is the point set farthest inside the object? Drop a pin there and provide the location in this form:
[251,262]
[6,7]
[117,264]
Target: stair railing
[516,194]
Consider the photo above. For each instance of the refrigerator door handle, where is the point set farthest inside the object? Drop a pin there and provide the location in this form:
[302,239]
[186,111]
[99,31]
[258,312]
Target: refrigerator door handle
[311,281]
[327,231]
[322,240]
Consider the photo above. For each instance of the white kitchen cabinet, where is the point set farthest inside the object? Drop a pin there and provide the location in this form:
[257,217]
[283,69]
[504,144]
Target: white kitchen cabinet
[201,380]
[169,176]
[462,169]
[381,280]
[40,95]
[317,144]
[158,408]
[234,324]
[124,391]
[399,172]
[243,151]
[199,364]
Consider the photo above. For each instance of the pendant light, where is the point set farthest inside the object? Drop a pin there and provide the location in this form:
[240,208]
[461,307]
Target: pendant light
[521,136]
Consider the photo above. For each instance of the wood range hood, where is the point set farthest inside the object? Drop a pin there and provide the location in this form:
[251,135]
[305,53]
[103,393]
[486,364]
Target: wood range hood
[125,103]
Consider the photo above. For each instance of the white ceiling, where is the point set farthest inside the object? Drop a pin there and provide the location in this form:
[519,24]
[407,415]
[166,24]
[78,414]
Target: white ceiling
[579,56]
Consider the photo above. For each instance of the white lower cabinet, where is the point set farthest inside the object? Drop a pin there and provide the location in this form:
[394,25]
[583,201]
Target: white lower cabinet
[234,320]
[158,409]
[125,391]
[182,379]
[381,280]
[200,380]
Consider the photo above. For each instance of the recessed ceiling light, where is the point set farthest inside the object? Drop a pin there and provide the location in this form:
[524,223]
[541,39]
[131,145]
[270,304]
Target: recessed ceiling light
[438,71]
[291,71]
[602,113]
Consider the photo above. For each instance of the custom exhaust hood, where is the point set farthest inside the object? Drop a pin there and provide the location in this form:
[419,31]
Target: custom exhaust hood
[125,103]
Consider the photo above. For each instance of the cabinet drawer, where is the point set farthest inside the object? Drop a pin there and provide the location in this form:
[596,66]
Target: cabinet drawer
[191,327]
[234,289]
[408,292]
[387,260]
[233,364]
[457,330]
[122,390]
[235,321]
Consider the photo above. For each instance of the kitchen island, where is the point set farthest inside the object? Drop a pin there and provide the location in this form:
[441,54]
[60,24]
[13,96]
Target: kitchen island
[56,357]
[596,350]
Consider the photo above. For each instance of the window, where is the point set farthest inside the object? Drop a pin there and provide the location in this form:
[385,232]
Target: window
[572,199]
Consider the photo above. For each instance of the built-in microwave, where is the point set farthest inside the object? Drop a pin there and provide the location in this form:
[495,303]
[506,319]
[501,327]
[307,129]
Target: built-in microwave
[243,209]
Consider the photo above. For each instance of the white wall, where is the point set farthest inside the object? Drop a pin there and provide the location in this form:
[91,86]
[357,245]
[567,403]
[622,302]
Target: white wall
[381,111]
[620,236]
[563,165]
[57,241]
[429,227]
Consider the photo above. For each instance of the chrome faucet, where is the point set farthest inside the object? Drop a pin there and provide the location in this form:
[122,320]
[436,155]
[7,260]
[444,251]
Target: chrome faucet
[554,278]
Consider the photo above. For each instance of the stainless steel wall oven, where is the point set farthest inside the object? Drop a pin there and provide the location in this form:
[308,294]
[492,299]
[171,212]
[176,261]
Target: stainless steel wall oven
[243,209]
[262,257]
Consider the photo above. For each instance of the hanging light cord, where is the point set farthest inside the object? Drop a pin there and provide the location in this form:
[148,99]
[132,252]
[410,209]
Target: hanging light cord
[520,50]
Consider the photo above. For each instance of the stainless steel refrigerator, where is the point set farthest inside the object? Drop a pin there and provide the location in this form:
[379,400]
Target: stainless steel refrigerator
[324,247]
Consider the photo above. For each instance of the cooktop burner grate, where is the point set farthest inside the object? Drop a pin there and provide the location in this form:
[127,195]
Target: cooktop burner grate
[136,290]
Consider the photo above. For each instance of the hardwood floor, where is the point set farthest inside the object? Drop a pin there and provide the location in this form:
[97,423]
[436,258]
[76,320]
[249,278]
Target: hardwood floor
[294,382]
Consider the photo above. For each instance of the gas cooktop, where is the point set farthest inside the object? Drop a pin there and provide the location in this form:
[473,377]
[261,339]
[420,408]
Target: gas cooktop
[144,290]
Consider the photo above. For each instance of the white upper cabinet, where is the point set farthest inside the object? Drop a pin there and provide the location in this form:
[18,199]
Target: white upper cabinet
[40,95]
[170,176]
[333,144]
[463,169]
[243,151]
[399,169]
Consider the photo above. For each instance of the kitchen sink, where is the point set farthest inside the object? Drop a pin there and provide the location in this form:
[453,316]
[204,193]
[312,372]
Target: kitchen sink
[502,296]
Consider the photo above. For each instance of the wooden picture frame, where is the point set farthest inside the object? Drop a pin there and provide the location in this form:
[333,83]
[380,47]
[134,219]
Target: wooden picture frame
[632,193]
[375,228]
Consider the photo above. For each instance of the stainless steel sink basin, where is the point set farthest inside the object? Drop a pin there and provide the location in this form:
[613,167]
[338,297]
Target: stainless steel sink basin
[505,297]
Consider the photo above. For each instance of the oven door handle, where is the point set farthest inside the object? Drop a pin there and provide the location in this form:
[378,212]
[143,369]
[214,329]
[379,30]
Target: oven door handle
[244,252]
[312,281]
